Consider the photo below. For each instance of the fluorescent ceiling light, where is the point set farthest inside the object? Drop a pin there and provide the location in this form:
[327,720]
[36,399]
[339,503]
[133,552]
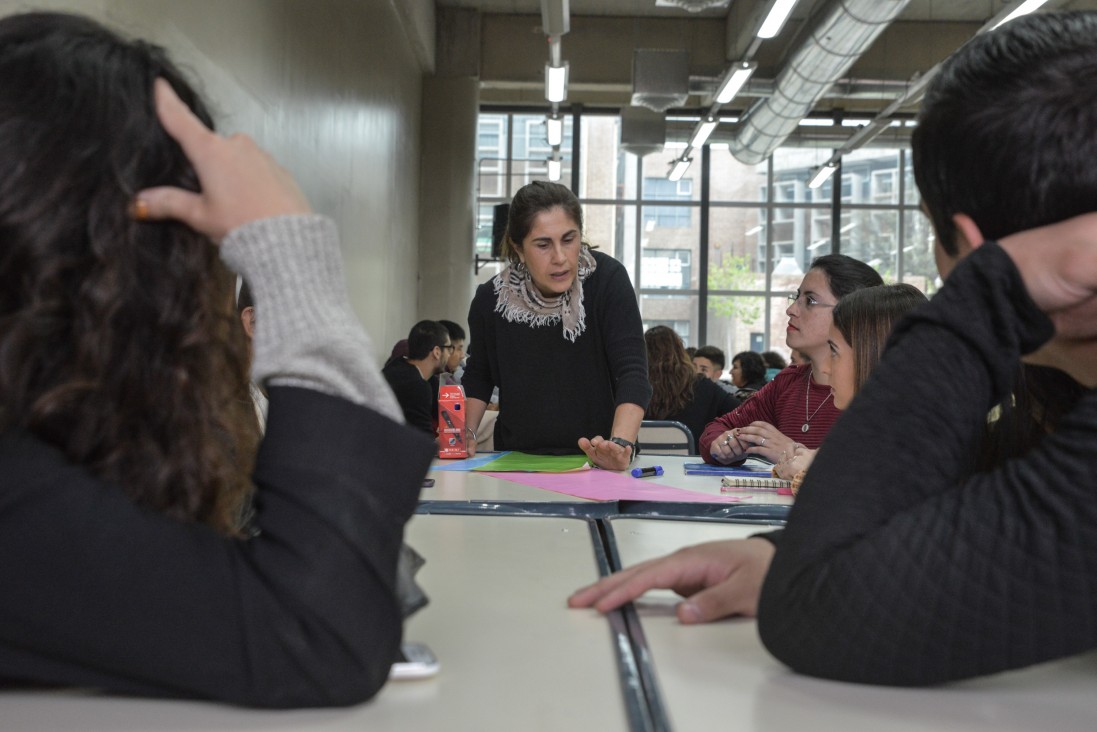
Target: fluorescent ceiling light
[554,131]
[553,169]
[556,82]
[704,129]
[735,80]
[753,230]
[822,175]
[778,14]
[819,243]
[1023,9]
[847,227]
[680,168]
[855,122]
[816,122]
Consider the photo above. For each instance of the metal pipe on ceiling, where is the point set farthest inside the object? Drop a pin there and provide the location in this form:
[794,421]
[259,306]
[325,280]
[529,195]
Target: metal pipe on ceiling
[838,34]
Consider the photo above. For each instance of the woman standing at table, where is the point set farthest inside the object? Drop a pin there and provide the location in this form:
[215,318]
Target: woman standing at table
[797,406]
[558,331]
[121,464]
[679,392]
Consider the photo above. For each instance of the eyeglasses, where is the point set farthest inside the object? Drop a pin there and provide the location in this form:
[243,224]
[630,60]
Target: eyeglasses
[448,347]
[807,301]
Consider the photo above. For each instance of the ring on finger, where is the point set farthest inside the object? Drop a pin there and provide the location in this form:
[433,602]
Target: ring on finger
[762,443]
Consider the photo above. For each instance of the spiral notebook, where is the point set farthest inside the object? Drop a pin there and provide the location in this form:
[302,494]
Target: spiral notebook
[741,483]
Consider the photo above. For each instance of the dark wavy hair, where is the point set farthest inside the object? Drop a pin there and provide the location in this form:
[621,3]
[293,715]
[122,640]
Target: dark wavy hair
[846,274]
[670,371]
[118,342]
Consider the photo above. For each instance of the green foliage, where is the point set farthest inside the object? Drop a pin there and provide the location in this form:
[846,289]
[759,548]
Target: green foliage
[735,273]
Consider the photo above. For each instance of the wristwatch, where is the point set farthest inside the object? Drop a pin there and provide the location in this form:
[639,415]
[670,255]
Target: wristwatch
[625,443]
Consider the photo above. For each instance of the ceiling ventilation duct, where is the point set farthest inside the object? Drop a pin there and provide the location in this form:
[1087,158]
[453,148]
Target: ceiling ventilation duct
[660,78]
[693,6]
[642,131]
[838,34]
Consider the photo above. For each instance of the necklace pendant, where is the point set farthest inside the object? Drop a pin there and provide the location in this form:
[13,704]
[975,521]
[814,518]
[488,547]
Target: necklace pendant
[805,428]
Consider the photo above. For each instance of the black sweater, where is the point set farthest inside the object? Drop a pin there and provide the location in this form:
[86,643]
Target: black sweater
[553,391]
[897,569]
[99,593]
[417,396]
[710,400]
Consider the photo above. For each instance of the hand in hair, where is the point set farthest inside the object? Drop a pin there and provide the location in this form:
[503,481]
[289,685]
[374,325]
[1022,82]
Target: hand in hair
[1058,264]
[240,181]
[718,579]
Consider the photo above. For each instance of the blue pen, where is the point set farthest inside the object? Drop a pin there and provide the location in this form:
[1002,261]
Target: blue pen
[647,472]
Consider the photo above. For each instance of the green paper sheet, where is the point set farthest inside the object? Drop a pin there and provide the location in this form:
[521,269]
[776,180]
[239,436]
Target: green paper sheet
[523,462]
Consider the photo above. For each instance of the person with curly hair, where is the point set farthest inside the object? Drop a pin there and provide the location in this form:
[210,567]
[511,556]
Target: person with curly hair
[126,452]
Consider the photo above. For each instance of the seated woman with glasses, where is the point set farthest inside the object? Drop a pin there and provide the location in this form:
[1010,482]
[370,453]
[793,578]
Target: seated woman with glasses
[797,407]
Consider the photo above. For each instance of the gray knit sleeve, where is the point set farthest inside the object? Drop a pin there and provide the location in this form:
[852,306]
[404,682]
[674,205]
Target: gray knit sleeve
[306,334]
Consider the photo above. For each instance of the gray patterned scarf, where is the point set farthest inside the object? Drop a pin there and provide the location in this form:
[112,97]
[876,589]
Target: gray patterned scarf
[519,300]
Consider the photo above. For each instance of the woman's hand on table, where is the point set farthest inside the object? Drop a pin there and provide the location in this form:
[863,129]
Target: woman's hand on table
[765,441]
[728,448]
[717,579]
[240,182]
[605,454]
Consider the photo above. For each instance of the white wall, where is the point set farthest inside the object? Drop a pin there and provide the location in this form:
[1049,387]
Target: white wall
[332,88]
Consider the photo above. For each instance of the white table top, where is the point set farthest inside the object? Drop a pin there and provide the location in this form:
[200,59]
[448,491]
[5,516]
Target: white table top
[513,657]
[719,675]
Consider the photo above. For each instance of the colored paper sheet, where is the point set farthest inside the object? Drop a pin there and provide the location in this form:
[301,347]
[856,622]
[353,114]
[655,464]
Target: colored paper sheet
[523,462]
[467,464]
[603,485]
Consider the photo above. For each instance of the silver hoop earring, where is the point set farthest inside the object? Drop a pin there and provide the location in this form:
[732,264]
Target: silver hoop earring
[520,267]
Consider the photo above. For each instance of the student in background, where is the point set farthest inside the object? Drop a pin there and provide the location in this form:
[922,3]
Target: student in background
[678,392]
[558,331]
[748,374]
[709,361]
[410,377]
[866,318]
[122,457]
[725,577]
[797,406]
[455,365]
[775,362]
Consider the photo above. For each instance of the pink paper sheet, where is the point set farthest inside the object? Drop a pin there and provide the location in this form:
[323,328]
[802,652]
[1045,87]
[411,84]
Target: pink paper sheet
[602,485]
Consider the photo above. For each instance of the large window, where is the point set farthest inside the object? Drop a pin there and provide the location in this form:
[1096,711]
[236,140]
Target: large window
[716,270]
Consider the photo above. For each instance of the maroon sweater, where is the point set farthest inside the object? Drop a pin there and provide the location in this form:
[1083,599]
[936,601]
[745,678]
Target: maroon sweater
[781,402]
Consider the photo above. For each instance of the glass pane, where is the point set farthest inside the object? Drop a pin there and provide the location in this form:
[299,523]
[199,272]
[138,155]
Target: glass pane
[737,249]
[793,167]
[731,180]
[657,186]
[669,239]
[678,312]
[485,214]
[913,198]
[606,171]
[919,265]
[873,237]
[871,175]
[737,323]
[527,171]
[612,229]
